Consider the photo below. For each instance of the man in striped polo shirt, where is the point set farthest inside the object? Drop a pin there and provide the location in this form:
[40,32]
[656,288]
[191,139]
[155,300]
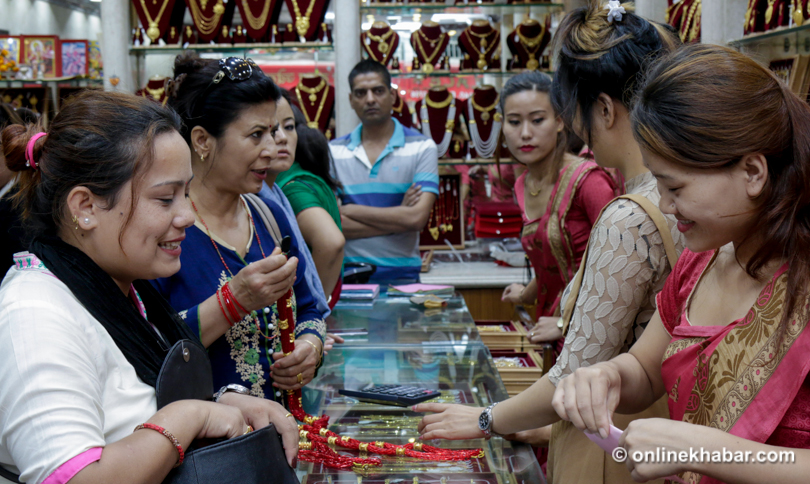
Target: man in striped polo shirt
[386,202]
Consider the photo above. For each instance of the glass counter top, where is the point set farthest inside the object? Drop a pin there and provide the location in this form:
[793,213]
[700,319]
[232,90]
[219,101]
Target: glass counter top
[396,320]
[464,373]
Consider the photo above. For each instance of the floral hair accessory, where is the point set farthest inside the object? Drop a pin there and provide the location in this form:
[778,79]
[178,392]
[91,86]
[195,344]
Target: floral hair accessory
[616,11]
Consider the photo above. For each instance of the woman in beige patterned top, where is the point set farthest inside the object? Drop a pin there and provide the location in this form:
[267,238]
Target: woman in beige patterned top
[626,265]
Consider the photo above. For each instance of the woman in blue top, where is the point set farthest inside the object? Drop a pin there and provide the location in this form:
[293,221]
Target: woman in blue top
[232,272]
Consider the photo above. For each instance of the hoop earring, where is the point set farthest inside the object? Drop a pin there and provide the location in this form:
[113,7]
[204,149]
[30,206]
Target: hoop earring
[75,221]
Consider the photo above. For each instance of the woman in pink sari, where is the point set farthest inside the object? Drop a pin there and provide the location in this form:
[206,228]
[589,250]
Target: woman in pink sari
[729,144]
[560,196]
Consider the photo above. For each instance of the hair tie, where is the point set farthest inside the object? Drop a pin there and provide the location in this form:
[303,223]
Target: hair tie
[29,150]
[616,11]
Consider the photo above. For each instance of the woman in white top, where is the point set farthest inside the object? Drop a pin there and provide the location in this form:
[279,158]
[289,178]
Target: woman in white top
[601,54]
[82,338]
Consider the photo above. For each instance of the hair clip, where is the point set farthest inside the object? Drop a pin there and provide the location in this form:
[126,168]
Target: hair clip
[616,11]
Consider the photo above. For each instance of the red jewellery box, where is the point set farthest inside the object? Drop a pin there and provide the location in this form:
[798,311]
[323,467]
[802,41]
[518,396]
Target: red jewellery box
[518,369]
[497,335]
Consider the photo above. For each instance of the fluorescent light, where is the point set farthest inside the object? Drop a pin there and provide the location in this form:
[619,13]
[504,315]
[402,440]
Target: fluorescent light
[96,1]
[406,26]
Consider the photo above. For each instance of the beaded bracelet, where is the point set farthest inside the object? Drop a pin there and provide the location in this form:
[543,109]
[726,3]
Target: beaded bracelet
[227,288]
[221,307]
[229,305]
[168,435]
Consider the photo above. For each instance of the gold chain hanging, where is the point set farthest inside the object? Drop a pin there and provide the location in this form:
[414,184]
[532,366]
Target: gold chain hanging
[312,123]
[312,91]
[256,23]
[153,31]
[206,25]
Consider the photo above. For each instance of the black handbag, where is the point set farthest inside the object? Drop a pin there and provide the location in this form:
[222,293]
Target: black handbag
[257,457]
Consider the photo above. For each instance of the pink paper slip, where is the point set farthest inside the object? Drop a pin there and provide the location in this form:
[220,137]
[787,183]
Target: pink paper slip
[612,442]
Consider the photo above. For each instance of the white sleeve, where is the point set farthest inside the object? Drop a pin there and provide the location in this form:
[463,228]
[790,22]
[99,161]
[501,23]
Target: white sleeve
[50,386]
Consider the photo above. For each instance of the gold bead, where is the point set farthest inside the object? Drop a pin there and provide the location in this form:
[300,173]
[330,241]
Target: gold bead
[363,447]
[332,440]
[323,432]
[417,446]
[400,451]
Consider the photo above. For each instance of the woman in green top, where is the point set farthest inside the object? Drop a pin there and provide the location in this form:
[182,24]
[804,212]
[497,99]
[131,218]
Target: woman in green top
[311,192]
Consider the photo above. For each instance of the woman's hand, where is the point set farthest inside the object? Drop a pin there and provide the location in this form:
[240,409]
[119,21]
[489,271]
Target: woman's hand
[302,361]
[451,422]
[649,434]
[535,437]
[545,330]
[262,283]
[513,293]
[330,341]
[259,412]
[221,421]
[588,397]
[412,196]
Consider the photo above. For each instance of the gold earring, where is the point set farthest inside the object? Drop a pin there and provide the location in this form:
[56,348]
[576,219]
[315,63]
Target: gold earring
[202,158]
[75,221]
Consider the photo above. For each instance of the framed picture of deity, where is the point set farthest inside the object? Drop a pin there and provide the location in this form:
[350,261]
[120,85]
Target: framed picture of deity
[75,57]
[43,54]
[11,45]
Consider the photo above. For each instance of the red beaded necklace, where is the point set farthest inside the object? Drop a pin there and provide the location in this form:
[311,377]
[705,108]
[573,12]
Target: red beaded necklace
[216,248]
[321,440]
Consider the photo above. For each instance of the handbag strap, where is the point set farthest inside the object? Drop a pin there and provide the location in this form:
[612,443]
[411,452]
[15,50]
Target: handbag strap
[8,475]
[266,215]
[666,236]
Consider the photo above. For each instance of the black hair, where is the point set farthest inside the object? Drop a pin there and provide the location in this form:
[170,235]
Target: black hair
[595,55]
[202,103]
[368,66]
[27,116]
[525,81]
[8,116]
[99,140]
[313,154]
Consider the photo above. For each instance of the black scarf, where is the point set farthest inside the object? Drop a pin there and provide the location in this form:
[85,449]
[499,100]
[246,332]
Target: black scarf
[102,297]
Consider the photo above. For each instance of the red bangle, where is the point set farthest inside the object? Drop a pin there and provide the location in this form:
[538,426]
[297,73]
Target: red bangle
[227,287]
[168,435]
[231,308]
[221,307]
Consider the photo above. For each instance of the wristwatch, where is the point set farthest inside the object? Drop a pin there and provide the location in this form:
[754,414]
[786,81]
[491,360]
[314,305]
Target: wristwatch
[485,421]
[233,387]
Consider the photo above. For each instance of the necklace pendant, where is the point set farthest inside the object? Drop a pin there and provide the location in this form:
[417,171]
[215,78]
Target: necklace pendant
[484,44]
[481,63]
[532,64]
[382,47]
[302,26]
[219,9]
[203,4]
[485,116]
[153,32]
[313,98]
[312,124]
[434,232]
[427,68]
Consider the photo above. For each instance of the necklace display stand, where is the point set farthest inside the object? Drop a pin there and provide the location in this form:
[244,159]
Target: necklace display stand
[239,35]
[307,16]
[207,16]
[316,98]
[438,116]
[429,43]
[257,16]
[380,42]
[528,42]
[155,16]
[482,43]
[484,119]
[402,112]
[155,89]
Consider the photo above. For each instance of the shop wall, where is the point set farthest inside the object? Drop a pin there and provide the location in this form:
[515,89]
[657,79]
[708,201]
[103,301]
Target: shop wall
[35,17]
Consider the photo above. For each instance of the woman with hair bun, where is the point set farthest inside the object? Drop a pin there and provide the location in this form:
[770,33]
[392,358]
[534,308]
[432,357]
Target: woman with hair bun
[233,271]
[728,345]
[83,336]
[601,55]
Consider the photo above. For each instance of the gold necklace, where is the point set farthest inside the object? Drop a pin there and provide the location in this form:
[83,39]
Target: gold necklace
[685,30]
[156,93]
[481,63]
[533,43]
[256,23]
[428,39]
[312,123]
[382,45]
[484,110]
[440,104]
[483,37]
[399,105]
[534,194]
[427,64]
[153,32]
[301,22]
[206,25]
[312,91]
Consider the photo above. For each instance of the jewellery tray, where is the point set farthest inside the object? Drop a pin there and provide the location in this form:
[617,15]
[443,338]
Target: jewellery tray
[519,379]
[511,336]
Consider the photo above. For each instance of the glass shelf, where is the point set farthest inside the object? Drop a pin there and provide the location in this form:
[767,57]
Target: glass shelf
[770,35]
[58,81]
[471,8]
[257,48]
[420,74]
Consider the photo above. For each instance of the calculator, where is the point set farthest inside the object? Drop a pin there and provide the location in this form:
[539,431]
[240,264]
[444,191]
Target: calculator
[399,395]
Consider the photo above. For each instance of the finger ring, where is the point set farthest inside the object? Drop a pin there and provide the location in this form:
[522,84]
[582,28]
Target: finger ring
[300,378]
[288,415]
[249,430]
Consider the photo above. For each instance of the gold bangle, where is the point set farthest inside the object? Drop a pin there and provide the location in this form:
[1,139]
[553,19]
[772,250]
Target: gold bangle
[317,351]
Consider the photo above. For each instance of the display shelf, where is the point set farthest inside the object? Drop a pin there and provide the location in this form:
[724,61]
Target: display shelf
[442,73]
[235,48]
[470,8]
[775,34]
[57,81]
